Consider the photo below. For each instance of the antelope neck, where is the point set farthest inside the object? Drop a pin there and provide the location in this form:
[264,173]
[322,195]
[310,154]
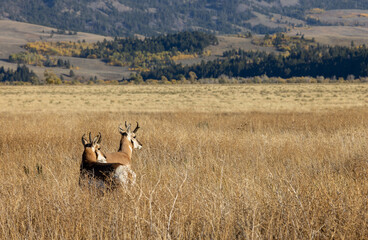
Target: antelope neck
[89,155]
[126,145]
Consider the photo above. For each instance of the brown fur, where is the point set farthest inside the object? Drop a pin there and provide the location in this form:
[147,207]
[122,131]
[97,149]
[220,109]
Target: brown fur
[90,168]
[124,154]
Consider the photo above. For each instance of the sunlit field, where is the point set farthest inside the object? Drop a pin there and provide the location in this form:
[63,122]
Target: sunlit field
[198,98]
[218,162]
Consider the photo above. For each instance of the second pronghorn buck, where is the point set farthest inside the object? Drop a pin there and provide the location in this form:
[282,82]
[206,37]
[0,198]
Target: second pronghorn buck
[128,142]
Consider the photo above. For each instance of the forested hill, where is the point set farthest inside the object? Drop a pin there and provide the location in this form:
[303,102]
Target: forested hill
[128,17]
[312,61]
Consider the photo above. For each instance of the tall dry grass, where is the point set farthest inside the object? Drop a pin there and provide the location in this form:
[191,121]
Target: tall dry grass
[199,176]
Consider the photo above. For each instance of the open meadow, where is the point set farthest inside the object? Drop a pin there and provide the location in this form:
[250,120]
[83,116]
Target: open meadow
[218,162]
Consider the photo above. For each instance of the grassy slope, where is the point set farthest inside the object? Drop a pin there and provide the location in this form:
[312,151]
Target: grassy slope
[16,34]
[336,35]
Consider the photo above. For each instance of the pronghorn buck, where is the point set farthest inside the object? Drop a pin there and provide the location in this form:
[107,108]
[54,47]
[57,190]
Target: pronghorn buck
[128,142]
[110,173]
[100,156]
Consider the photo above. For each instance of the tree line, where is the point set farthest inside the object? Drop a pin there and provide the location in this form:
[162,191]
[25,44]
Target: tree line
[152,52]
[38,60]
[21,74]
[337,61]
[137,53]
[190,42]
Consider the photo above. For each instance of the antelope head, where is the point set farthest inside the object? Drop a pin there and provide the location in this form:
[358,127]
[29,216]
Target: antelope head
[131,135]
[92,149]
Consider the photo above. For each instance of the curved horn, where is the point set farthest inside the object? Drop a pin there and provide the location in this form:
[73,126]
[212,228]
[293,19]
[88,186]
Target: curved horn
[99,138]
[136,129]
[126,125]
[90,138]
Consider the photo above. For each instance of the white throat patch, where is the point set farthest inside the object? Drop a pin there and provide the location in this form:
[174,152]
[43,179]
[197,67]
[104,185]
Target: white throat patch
[100,157]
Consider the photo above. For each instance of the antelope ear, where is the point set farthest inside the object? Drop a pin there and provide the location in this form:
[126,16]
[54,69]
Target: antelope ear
[95,140]
[84,141]
[128,128]
[121,130]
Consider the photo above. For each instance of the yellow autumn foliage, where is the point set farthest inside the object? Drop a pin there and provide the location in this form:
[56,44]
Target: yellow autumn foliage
[183,56]
[58,48]
[363,15]
[138,59]
[317,10]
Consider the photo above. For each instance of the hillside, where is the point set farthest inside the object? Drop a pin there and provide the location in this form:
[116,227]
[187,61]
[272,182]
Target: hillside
[17,34]
[128,17]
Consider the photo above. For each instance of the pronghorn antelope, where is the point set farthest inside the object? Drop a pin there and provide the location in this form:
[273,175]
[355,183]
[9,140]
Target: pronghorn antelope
[100,156]
[128,141]
[123,156]
[111,173]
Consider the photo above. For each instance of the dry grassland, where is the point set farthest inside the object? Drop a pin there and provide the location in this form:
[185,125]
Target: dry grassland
[166,98]
[281,168]
[334,35]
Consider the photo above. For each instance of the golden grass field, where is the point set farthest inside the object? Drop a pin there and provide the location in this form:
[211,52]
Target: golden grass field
[174,98]
[218,162]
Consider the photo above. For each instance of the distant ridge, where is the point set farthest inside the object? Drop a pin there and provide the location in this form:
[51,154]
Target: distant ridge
[128,17]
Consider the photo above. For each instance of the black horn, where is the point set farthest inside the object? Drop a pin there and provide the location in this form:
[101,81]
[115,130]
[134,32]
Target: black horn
[136,128]
[99,138]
